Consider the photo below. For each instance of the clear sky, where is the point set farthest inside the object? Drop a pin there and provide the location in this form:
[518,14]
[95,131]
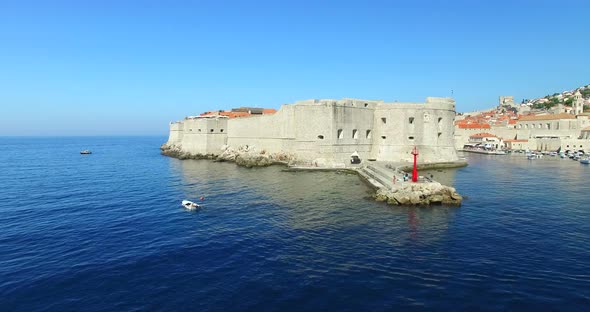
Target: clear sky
[129,67]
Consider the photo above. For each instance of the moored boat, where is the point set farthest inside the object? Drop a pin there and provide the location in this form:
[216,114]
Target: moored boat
[85,152]
[190,205]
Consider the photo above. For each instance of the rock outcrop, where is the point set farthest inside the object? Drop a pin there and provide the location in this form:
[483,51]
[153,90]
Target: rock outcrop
[247,156]
[419,194]
[177,152]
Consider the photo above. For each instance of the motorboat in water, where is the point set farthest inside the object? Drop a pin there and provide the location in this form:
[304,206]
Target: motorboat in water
[85,152]
[585,161]
[190,205]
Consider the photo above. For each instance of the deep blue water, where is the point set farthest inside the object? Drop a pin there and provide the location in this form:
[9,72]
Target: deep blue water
[106,232]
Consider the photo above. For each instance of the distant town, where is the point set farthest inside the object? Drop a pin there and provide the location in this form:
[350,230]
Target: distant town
[558,122]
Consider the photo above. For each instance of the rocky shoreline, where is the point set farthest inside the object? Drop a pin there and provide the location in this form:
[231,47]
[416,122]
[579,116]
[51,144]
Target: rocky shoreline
[419,194]
[245,156]
[403,194]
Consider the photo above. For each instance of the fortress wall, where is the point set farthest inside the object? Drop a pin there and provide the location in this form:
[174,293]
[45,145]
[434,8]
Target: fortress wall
[401,126]
[269,132]
[176,133]
[348,119]
[204,135]
[314,132]
[565,144]
[333,130]
[442,128]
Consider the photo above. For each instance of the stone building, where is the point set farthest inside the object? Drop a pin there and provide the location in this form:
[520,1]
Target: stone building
[507,100]
[486,140]
[578,105]
[330,131]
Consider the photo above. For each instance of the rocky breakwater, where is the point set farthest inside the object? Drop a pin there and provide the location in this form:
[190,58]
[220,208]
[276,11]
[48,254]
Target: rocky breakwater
[419,194]
[250,156]
[247,156]
[176,151]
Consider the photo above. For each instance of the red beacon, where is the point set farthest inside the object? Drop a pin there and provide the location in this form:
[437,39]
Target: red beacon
[415,171]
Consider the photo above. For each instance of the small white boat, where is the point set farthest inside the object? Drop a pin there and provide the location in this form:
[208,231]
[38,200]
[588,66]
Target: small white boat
[85,152]
[190,205]
[585,161]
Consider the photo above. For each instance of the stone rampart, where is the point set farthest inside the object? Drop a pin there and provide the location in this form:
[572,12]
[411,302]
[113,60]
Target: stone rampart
[327,132]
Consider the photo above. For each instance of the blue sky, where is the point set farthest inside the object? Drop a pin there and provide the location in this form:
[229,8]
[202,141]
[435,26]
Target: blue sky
[130,67]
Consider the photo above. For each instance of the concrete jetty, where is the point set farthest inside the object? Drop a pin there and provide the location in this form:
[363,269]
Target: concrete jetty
[391,187]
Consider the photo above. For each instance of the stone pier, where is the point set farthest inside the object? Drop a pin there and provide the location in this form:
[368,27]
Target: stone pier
[391,187]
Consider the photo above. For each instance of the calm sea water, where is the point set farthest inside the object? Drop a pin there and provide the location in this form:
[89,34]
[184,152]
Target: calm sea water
[106,232]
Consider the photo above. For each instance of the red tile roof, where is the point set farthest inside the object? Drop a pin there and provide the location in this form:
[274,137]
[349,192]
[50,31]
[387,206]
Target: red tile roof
[483,135]
[474,126]
[547,117]
[513,140]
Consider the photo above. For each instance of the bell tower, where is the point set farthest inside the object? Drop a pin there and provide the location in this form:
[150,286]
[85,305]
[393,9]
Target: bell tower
[578,103]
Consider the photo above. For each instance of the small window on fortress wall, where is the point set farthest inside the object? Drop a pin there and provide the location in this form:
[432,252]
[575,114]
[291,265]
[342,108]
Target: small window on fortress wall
[366,104]
[199,130]
[211,130]
[368,134]
[439,119]
[411,138]
[321,137]
[439,134]
[384,120]
[411,120]
[340,134]
[355,134]
[220,130]
[383,137]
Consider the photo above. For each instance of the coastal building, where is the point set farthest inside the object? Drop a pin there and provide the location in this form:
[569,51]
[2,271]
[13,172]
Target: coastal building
[543,132]
[329,131]
[517,145]
[486,140]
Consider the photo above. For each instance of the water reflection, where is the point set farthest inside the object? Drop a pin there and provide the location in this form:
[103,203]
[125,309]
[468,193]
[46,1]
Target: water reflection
[329,203]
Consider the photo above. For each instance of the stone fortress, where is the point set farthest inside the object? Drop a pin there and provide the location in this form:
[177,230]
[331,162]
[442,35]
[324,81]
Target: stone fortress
[327,133]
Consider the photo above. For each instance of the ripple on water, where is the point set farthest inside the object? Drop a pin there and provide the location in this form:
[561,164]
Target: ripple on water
[107,232]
